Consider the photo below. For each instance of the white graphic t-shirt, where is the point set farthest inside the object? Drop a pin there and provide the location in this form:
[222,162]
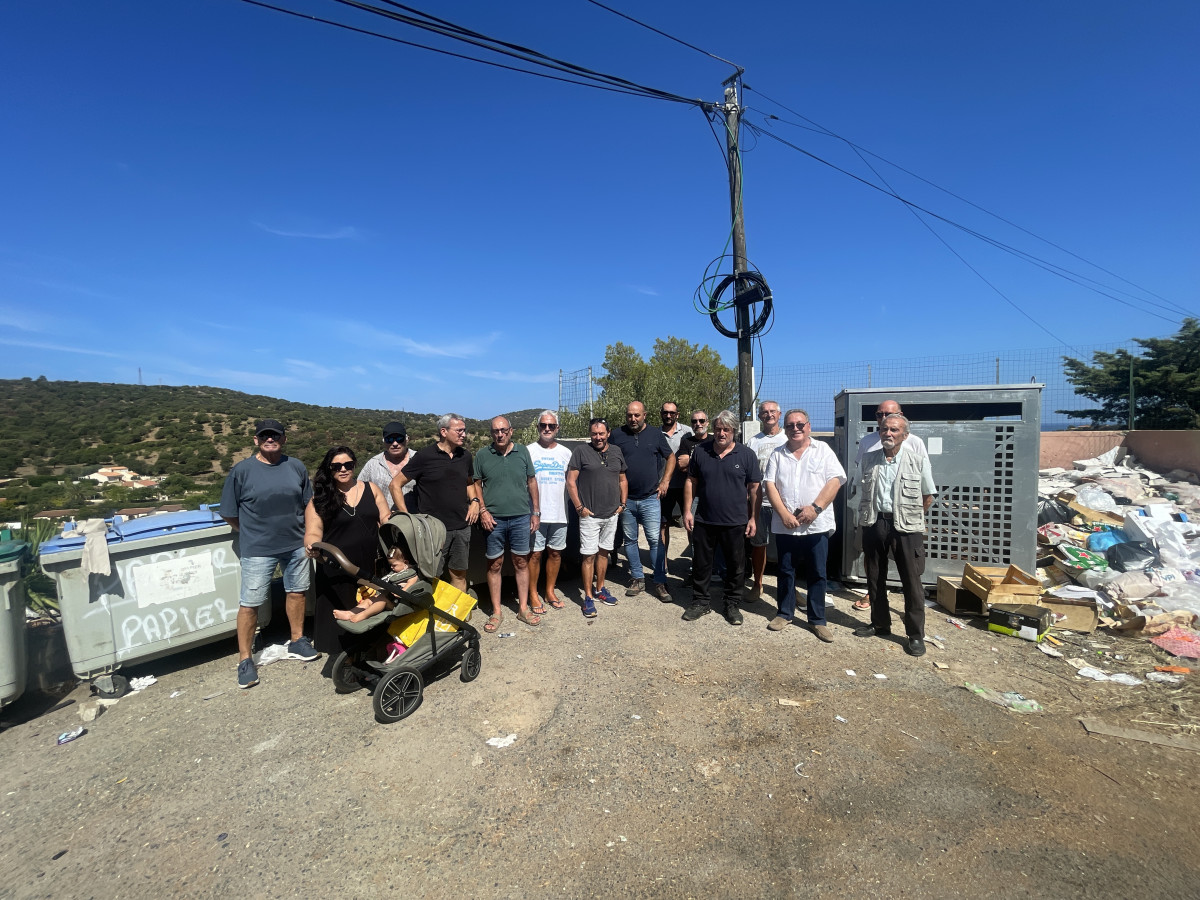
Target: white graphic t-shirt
[550,469]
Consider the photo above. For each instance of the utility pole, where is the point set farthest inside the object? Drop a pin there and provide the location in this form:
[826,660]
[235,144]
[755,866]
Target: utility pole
[733,121]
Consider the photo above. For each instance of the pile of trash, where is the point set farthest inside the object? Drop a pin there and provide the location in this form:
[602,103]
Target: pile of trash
[1112,531]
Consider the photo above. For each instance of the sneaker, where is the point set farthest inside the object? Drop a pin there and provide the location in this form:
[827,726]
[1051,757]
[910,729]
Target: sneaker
[302,649]
[694,612]
[779,623]
[635,587]
[605,597]
[823,633]
[733,615]
[247,674]
[659,590]
[589,608]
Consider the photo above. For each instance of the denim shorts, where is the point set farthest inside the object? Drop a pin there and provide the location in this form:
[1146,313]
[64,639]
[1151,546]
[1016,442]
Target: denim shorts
[257,572]
[511,532]
[552,535]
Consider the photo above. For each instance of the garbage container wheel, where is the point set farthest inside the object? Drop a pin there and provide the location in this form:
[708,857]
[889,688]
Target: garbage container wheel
[471,662]
[345,674]
[397,695]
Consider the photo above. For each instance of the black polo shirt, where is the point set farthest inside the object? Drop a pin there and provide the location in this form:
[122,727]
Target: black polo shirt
[442,481]
[646,455]
[722,483]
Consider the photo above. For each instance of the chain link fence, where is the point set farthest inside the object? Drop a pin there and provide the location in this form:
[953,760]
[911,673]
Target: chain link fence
[813,387]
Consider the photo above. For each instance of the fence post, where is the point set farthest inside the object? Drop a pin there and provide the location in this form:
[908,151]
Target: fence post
[868,374]
[997,370]
[1132,399]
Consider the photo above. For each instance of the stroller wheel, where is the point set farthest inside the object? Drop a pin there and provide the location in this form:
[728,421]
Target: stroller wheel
[345,674]
[471,661]
[397,695]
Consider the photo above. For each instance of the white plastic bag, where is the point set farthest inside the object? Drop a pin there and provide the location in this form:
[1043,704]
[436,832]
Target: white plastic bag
[1181,595]
[1094,498]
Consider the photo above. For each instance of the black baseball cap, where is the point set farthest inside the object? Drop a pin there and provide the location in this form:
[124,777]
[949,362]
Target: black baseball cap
[268,425]
[395,429]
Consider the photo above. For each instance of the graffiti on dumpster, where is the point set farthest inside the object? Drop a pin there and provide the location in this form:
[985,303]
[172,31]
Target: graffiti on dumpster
[171,621]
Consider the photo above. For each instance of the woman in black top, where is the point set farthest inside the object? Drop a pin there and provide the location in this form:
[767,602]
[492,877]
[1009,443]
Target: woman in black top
[346,513]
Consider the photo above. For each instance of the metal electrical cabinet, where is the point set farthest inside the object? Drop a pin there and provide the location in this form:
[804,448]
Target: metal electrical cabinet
[983,443]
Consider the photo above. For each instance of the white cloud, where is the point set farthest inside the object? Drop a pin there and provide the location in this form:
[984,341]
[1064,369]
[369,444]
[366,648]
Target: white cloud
[60,348]
[458,349]
[524,377]
[346,232]
[310,369]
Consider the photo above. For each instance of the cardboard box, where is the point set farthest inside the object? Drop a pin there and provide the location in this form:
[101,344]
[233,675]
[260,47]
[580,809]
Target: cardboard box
[957,600]
[1025,621]
[1001,584]
[1076,615]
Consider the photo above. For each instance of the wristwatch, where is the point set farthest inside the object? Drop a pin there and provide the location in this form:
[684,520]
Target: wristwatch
[817,507]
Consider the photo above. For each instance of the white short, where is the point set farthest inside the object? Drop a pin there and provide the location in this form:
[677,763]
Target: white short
[595,533]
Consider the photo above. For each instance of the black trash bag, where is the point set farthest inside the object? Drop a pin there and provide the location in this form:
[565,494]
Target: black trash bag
[1053,511]
[1131,557]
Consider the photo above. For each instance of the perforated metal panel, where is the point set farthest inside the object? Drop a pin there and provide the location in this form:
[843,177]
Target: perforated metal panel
[983,447]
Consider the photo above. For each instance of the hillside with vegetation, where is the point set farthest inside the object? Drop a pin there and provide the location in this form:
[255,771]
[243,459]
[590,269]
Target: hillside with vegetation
[54,432]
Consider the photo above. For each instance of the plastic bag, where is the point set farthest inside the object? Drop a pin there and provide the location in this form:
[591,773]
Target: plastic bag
[1052,511]
[1100,541]
[1175,551]
[1181,595]
[1094,498]
[1130,557]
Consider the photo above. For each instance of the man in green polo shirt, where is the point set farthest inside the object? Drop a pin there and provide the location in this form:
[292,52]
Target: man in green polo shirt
[510,513]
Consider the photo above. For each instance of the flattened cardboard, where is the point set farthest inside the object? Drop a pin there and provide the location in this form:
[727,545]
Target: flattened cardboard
[1079,615]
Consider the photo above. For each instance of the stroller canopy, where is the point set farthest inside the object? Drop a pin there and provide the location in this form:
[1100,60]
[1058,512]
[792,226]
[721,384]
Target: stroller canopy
[421,536]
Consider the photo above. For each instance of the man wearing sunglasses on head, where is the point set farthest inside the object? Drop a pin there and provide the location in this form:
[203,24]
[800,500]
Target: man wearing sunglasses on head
[263,500]
[550,460]
[381,468]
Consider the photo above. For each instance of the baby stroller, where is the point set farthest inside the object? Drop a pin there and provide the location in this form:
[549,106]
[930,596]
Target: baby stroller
[398,685]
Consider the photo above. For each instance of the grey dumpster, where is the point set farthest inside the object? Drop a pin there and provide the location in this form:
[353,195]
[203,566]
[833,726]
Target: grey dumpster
[174,584]
[12,621]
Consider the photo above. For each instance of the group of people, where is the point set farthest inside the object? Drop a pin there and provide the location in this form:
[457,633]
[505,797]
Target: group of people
[731,498]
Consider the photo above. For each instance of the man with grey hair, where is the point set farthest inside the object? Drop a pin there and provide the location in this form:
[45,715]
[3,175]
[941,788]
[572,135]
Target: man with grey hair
[897,490]
[442,472]
[550,460]
[763,444]
[724,475]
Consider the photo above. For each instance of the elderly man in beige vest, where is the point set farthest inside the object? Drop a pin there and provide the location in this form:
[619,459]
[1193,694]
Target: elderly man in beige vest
[898,488]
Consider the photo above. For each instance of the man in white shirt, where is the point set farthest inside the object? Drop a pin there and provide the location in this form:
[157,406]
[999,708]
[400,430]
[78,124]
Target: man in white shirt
[771,436]
[802,478]
[550,459]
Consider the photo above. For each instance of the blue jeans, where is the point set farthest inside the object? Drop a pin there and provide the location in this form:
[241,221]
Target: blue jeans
[257,572]
[647,513]
[808,552]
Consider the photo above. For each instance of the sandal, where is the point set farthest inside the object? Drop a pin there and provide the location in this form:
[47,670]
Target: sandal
[861,605]
[538,610]
[555,602]
[530,619]
[493,623]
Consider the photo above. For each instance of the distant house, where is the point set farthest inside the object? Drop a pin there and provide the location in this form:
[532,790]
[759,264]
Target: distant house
[57,514]
[121,475]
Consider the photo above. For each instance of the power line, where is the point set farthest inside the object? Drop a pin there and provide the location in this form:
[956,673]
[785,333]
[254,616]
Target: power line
[821,129]
[1000,245]
[617,12]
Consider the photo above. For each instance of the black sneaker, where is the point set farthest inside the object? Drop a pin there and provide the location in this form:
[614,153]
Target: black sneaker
[635,587]
[694,612]
[871,631]
[915,647]
[733,615]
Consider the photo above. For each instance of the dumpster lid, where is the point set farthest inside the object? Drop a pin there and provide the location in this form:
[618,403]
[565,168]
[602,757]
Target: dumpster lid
[10,550]
[140,529]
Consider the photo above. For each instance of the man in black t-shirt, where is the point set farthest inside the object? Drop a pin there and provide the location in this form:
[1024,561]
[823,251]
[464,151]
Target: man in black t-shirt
[724,475]
[445,491]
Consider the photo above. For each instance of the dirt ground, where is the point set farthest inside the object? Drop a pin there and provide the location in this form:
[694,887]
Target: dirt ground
[652,758]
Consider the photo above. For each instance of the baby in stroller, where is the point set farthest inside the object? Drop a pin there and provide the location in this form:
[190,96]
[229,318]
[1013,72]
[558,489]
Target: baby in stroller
[403,576]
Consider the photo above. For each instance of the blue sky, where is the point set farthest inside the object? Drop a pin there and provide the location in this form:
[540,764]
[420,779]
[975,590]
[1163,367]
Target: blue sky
[224,195]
